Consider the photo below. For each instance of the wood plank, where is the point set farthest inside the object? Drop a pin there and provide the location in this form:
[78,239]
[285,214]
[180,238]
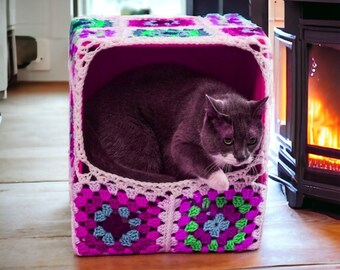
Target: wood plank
[33,169]
[37,210]
[36,253]
[34,133]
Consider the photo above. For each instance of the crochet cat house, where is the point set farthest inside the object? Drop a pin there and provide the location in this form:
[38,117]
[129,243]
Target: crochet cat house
[115,215]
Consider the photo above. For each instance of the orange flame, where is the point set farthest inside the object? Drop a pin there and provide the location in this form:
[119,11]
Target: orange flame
[325,163]
[323,130]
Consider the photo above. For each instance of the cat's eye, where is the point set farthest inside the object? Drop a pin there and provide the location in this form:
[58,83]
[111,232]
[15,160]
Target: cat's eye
[228,141]
[252,141]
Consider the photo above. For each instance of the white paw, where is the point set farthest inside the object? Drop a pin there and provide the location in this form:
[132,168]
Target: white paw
[218,181]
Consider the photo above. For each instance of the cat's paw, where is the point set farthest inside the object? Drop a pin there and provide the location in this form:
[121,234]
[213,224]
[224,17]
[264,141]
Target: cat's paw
[218,181]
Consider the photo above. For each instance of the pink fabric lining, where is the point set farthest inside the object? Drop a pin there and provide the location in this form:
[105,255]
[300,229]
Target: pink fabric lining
[232,65]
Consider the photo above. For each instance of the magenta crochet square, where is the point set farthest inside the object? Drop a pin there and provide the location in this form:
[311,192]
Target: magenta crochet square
[115,224]
[161,22]
[232,19]
[243,31]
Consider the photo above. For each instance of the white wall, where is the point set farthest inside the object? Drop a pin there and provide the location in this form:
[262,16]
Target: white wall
[3,48]
[46,19]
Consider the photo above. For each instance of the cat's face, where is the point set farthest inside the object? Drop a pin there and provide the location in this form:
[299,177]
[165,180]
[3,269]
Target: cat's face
[232,129]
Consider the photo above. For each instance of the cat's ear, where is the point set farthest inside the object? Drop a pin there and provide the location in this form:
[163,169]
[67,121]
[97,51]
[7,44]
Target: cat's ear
[258,106]
[214,108]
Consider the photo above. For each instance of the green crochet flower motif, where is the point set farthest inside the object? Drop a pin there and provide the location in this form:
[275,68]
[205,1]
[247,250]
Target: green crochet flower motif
[206,203]
[230,245]
[221,201]
[238,239]
[213,246]
[190,240]
[239,203]
[194,211]
[195,244]
[208,226]
[241,223]
[191,226]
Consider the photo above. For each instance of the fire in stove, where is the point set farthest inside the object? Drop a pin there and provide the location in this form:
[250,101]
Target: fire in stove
[323,130]
[324,163]
[323,126]
[323,105]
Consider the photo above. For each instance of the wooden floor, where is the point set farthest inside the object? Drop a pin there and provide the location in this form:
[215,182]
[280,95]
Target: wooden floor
[35,216]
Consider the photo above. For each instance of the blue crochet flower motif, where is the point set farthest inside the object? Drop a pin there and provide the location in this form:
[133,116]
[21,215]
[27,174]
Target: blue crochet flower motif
[215,226]
[111,222]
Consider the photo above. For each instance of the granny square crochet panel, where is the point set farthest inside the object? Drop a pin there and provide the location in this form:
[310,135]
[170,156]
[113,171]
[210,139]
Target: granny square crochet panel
[114,215]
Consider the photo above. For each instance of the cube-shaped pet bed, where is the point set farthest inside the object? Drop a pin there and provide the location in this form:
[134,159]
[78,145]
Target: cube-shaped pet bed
[115,215]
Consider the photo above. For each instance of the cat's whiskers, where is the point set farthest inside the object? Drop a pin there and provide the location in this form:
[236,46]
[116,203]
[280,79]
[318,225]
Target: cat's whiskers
[210,168]
[227,167]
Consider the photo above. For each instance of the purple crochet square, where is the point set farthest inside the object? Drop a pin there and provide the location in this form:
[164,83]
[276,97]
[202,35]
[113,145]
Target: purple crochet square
[161,22]
[218,222]
[97,33]
[231,19]
[88,33]
[243,31]
[115,224]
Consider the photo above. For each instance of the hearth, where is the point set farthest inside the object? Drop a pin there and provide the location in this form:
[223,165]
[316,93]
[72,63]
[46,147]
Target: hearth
[307,100]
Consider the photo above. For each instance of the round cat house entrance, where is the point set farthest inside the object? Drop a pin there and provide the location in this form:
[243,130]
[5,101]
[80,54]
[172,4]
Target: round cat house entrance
[115,215]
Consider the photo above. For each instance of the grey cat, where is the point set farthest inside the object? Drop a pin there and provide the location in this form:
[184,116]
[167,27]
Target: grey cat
[165,123]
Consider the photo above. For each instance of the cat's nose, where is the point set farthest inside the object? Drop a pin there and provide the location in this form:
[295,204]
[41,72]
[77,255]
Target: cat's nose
[241,156]
[240,159]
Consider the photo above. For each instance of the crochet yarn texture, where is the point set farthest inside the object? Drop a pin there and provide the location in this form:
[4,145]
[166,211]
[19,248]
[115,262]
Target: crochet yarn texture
[115,215]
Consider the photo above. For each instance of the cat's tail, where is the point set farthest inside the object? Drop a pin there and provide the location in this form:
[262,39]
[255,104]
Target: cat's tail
[98,157]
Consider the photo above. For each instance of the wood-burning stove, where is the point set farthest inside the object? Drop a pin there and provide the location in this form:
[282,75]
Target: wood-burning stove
[307,100]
